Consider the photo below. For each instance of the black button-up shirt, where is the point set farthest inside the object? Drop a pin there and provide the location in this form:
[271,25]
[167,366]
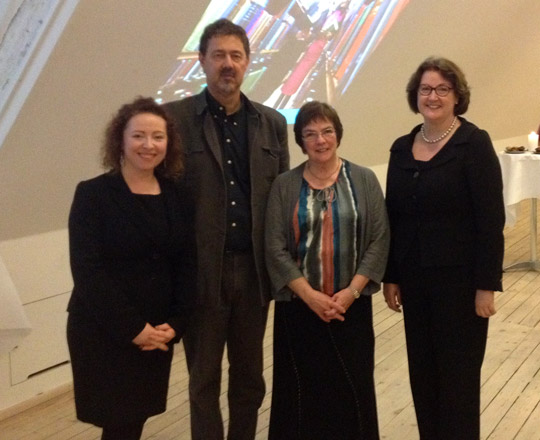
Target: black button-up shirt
[232,130]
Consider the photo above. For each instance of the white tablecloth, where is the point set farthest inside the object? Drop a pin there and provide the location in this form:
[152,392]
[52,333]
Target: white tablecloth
[14,324]
[521,178]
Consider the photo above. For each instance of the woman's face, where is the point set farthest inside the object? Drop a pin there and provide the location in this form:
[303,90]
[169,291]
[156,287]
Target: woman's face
[320,141]
[432,107]
[145,142]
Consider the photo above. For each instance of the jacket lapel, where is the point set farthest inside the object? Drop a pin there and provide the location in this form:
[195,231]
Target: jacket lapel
[171,201]
[127,202]
[253,129]
[208,127]
[256,142]
[405,158]
[453,149]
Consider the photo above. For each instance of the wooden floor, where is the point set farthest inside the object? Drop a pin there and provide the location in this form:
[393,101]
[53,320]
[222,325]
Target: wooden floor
[510,378]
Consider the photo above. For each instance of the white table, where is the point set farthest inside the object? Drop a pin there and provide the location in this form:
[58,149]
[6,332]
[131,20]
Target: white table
[521,178]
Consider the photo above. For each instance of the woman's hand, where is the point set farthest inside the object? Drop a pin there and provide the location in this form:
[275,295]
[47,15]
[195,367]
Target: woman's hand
[485,303]
[344,297]
[152,338]
[321,304]
[324,306]
[392,296]
[170,332]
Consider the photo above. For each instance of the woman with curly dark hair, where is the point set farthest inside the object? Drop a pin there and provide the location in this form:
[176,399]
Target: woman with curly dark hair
[132,261]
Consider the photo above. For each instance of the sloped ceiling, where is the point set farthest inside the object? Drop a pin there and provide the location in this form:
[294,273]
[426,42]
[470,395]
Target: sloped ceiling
[112,51]
[29,30]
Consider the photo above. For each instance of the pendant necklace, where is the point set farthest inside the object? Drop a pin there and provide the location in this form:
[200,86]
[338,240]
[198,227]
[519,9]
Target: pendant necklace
[322,179]
[327,194]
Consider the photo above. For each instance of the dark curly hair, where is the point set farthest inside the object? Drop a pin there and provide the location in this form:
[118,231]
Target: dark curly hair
[315,111]
[450,72]
[112,149]
[223,27]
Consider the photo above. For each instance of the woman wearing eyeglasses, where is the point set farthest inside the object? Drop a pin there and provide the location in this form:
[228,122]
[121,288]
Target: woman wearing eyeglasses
[445,204]
[326,246]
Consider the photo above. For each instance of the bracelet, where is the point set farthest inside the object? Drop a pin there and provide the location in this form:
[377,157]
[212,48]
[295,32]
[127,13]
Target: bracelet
[354,292]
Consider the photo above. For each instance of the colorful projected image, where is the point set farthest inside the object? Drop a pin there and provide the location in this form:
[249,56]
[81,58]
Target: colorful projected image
[300,49]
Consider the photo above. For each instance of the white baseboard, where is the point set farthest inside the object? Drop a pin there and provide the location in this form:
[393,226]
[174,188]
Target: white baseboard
[36,400]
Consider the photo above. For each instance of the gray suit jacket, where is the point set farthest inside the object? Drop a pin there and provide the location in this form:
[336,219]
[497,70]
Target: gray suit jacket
[268,155]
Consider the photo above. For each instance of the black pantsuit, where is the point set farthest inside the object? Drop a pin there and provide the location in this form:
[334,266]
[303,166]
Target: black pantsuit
[446,343]
[446,219]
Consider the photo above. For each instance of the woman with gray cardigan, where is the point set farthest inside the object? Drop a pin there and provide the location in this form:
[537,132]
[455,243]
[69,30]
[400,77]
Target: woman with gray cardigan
[327,241]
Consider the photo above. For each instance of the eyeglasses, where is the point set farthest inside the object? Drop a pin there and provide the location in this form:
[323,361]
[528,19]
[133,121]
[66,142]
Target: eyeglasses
[312,136]
[426,90]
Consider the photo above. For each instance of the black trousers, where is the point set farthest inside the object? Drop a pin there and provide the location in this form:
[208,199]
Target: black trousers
[446,342]
[128,431]
[238,323]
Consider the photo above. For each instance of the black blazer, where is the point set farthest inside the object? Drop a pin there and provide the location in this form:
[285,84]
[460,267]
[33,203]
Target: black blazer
[124,276]
[451,207]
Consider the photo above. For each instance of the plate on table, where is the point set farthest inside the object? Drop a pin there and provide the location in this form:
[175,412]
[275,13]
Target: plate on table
[515,150]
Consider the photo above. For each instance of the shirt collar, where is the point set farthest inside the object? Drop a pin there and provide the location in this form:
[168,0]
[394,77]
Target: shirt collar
[216,109]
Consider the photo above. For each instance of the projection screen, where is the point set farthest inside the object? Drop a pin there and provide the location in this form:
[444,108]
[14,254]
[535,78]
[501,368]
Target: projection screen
[301,50]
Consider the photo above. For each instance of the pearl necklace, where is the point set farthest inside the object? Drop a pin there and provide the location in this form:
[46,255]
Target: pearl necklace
[442,136]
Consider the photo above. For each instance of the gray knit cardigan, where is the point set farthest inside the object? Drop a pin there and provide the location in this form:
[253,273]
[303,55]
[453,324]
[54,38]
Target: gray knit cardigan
[373,235]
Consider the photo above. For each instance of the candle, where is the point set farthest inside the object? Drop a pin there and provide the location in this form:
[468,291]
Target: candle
[533,140]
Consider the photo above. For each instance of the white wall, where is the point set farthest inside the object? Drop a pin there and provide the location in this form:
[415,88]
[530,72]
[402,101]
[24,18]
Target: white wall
[39,269]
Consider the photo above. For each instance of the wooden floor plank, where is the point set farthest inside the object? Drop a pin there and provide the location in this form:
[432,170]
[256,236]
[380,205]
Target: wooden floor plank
[510,376]
[530,430]
[518,413]
[500,408]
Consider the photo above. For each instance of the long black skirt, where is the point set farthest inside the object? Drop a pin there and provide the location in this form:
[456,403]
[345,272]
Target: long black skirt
[323,386]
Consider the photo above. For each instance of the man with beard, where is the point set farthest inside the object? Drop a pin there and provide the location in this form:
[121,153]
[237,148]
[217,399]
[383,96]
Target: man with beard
[234,149]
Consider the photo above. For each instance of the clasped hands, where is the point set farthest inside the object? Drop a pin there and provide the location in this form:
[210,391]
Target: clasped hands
[330,307]
[155,338]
